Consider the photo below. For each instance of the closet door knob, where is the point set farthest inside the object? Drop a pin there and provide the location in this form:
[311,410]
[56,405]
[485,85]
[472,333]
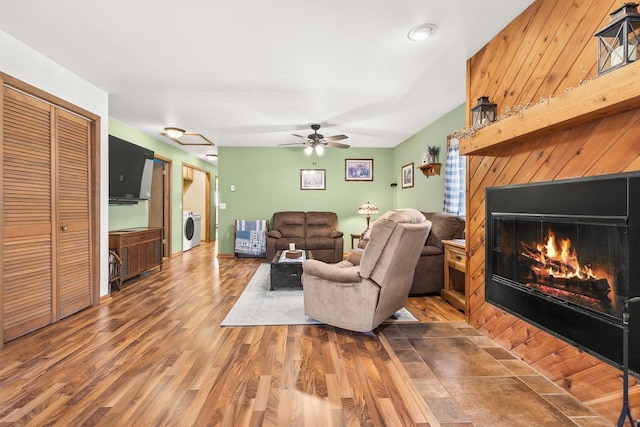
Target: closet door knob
[64,227]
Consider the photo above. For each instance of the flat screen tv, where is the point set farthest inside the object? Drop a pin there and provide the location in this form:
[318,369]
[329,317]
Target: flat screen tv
[130,172]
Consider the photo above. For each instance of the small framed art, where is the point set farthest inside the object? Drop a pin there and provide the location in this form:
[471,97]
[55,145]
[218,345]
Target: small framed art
[312,179]
[407,175]
[358,169]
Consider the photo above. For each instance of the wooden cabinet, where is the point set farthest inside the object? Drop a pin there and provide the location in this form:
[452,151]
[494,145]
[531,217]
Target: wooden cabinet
[187,173]
[454,273]
[140,249]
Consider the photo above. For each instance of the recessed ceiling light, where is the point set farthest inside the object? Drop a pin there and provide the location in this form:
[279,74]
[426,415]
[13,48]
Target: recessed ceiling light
[173,132]
[422,32]
[211,156]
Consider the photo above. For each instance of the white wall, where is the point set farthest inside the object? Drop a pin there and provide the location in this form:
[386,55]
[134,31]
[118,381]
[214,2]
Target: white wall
[21,62]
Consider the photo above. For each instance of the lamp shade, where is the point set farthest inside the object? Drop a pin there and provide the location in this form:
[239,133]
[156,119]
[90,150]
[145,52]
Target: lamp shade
[368,209]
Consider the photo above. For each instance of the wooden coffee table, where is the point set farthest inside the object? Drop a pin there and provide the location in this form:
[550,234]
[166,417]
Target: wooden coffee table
[286,273]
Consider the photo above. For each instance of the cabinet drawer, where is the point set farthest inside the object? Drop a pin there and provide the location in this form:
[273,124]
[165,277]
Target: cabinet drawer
[455,258]
[139,237]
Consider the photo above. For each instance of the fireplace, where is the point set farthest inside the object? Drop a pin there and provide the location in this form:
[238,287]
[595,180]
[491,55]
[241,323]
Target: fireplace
[565,256]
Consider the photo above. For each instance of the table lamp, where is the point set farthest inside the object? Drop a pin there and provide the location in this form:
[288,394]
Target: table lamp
[367,209]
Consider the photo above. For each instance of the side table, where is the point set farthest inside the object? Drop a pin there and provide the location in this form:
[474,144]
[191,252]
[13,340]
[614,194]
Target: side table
[355,237]
[454,273]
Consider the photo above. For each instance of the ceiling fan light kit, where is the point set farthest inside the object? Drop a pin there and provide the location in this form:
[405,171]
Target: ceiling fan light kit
[316,142]
[422,32]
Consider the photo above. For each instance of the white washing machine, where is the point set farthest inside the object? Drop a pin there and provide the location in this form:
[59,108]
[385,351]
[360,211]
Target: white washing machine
[197,222]
[188,230]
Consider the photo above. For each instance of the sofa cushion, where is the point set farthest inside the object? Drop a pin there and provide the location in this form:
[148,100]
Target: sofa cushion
[320,243]
[321,224]
[431,250]
[289,224]
[444,226]
[283,244]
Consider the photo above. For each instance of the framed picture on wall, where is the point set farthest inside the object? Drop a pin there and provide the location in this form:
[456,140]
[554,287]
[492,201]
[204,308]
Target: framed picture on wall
[358,169]
[312,179]
[407,175]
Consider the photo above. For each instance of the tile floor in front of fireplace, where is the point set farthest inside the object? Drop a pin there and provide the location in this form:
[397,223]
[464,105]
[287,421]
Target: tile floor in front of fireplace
[469,380]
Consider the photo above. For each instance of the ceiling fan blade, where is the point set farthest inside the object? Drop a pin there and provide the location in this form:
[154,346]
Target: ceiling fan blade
[337,145]
[303,137]
[335,138]
[293,143]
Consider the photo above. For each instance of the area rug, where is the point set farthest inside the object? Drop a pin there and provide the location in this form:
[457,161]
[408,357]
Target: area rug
[259,306]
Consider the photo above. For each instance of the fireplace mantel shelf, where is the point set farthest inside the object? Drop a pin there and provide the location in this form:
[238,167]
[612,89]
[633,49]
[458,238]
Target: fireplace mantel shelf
[607,95]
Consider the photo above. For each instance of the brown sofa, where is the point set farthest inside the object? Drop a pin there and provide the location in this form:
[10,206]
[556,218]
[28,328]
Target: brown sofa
[314,231]
[429,275]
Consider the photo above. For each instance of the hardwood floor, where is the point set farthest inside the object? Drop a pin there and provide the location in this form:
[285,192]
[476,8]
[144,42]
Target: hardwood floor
[154,354]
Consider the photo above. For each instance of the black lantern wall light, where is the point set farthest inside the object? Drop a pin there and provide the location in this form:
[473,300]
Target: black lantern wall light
[618,42]
[483,113]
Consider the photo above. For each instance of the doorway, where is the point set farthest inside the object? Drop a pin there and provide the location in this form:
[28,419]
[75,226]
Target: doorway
[196,190]
[160,201]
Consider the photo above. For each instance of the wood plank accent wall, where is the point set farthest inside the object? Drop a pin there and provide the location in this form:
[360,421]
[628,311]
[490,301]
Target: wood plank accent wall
[546,50]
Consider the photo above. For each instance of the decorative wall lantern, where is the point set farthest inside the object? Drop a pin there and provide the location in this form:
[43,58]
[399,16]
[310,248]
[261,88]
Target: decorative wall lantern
[483,113]
[618,42]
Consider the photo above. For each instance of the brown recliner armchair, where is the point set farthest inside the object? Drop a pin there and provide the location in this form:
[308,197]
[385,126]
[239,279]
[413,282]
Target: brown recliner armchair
[429,276]
[361,292]
[314,231]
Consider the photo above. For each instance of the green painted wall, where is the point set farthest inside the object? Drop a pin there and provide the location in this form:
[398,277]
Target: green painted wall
[267,180]
[427,194]
[123,216]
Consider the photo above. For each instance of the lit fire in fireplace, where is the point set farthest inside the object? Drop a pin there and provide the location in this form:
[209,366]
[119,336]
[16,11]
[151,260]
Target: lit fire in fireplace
[554,269]
[559,262]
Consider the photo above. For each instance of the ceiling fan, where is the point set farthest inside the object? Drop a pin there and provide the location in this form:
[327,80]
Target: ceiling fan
[316,142]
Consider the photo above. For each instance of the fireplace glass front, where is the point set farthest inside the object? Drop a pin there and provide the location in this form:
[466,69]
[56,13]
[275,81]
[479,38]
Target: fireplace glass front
[581,262]
[565,256]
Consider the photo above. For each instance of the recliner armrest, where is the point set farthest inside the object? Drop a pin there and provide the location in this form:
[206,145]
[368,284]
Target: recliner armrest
[355,255]
[340,272]
[275,234]
[336,233]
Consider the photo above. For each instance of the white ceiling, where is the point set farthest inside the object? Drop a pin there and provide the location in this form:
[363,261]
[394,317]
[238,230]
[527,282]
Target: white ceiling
[251,73]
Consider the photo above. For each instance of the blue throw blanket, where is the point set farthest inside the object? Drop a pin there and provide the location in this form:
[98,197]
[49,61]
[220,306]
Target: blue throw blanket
[251,237]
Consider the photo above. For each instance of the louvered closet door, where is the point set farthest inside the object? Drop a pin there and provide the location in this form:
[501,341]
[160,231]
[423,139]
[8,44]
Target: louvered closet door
[73,192]
[26,214]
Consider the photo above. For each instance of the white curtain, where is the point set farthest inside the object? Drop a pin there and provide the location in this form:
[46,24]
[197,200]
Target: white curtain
[454,187]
